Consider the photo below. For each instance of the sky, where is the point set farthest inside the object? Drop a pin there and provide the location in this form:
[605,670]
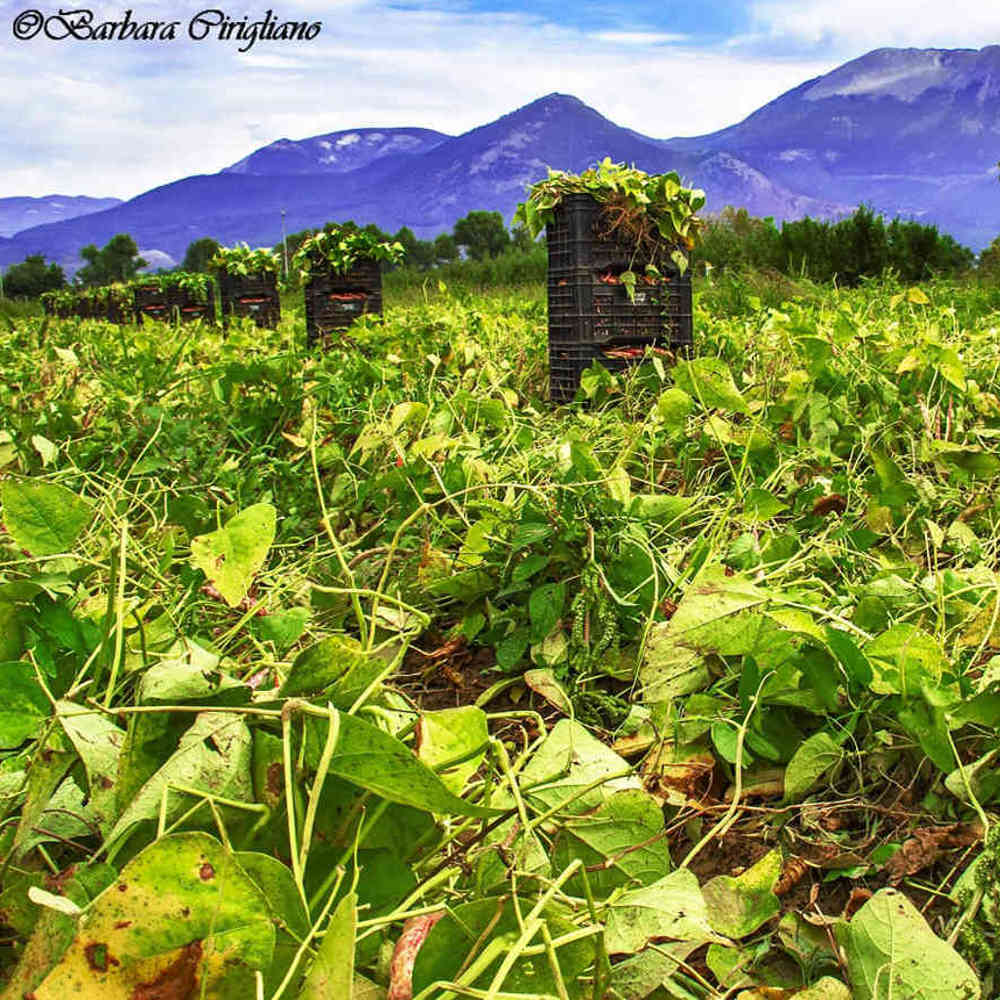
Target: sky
[115,118]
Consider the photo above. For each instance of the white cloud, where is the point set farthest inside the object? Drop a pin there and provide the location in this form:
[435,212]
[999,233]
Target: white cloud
[117,118]
[860,25]
[638,38]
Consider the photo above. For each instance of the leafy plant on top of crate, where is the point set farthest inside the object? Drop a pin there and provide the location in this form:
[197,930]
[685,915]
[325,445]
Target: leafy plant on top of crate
[194,285]
[652,213]
[341,248]
[240,261]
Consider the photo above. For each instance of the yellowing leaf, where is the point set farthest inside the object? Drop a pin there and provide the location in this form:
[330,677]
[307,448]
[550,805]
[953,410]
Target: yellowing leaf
[232,556]
[182,919]
[738,906]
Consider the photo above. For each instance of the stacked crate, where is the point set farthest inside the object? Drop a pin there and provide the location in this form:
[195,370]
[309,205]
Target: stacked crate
[591,317]
[254,295]
[189,308]
[151,301]
[334,301]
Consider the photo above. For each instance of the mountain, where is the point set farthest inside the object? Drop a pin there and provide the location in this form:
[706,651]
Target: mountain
[336,152]
[21,213]
[912,131]
[426,186]
[916,132]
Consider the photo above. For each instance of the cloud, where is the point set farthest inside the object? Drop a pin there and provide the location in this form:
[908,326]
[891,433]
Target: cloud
[638,37]
[116,118]
[860,25]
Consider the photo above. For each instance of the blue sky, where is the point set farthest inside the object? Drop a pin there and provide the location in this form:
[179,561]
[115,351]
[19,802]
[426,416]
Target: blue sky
[116,118]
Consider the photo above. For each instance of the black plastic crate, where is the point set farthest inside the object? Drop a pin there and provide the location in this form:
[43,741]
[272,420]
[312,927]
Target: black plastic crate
[595,307]
[188,308]
[151,301]
[335,301]
[255,296]
[589,309]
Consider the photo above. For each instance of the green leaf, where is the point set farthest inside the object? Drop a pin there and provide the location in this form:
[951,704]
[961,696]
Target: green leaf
[810,762]
[98,741]
[621,843]
[276,883]
[283,627]
[707,618]
[372,759]
[11,632]
[528,567]
[738,906]
[760,505]
[332,972]
[232,556]
[567,763]
[892,952]
[464,933]
[545,605]
[674,407]
[903,659]
[43,518]
[710,381]
[214,756]
[23,704]
[337,667]
[449,735]
[671,908]
[183,915]
[190,675]
[854,662]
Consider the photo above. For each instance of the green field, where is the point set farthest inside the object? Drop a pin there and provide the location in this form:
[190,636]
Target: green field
[690,690]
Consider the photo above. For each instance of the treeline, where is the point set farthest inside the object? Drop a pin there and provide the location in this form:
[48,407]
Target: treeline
[863,245]
[118,260]
[481,250]
[478,237]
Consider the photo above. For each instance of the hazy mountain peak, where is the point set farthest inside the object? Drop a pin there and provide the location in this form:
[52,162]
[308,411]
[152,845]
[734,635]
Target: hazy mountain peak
[24,213]
[906,74]
[336,152]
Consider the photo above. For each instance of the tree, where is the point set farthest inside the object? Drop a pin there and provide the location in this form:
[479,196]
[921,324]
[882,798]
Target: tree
[119,260]
[520,240]
[445,248]
[482,234]
[199,253]
[989,260]
[31,277]
[419,253]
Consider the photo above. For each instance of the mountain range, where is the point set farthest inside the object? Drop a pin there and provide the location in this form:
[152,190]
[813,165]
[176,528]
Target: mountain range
[914,132]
